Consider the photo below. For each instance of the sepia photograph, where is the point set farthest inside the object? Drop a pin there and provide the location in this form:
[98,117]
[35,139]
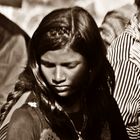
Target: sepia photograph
[69,70]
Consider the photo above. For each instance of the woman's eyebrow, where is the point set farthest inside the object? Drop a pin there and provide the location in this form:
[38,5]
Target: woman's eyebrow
[48,63]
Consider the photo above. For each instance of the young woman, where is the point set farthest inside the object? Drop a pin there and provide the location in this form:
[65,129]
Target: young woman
[68,82]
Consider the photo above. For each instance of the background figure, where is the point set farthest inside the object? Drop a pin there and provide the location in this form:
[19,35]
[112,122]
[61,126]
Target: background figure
[67,83]
[13,55]
[124,56]
[116,21]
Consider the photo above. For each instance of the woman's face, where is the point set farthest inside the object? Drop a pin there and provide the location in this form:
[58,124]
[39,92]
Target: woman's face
[65,70]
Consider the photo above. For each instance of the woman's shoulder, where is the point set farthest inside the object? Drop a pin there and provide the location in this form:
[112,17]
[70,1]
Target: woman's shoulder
[30,114]
[26,123]
[25,116]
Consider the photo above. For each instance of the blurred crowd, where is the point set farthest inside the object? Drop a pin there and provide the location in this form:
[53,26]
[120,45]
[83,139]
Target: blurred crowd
[28,13]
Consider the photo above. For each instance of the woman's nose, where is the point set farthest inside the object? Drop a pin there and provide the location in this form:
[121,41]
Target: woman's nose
[59,75]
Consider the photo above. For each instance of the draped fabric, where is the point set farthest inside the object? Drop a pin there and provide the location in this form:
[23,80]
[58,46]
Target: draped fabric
[124,56]
[13,55]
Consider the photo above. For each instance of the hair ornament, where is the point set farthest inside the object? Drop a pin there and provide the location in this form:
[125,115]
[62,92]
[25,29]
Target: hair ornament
[58,32]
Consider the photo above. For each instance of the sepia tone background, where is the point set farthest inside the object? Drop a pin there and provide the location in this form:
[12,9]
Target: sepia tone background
[28,13]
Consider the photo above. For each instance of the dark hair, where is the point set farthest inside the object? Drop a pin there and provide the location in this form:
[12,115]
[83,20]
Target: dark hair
[137,2]
[70,27]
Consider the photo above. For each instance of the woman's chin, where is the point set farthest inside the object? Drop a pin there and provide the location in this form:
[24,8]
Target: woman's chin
[63,94]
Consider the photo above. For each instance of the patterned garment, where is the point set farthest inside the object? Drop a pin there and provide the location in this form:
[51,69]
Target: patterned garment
[3,132]
[124,56]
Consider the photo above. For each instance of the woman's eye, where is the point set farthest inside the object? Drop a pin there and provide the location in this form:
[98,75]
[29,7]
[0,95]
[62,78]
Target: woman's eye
[48,64]
[71,65]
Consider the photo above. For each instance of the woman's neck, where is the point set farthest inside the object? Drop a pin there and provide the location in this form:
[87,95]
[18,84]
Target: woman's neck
[71,104]
[75,107]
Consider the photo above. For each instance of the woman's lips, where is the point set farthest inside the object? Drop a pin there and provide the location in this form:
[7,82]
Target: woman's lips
[61,88]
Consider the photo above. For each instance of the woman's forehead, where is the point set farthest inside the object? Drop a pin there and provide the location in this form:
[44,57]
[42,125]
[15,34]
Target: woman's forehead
[62,55]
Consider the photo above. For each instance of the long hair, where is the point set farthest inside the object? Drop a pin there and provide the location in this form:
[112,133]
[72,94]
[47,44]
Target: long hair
[68,27]
[137,2]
